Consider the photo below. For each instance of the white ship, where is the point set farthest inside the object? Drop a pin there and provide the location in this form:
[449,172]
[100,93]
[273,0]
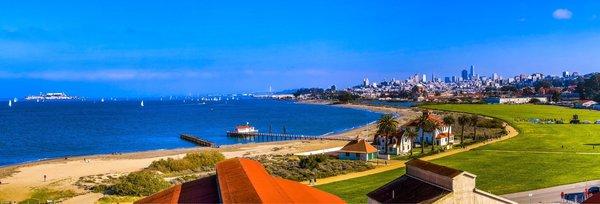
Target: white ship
[50,96]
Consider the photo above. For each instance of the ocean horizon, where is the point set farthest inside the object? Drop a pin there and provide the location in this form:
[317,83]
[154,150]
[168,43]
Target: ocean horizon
[32,131]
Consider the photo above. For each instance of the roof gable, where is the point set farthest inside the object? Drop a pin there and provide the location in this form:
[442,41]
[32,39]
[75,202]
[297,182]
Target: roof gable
[358,146]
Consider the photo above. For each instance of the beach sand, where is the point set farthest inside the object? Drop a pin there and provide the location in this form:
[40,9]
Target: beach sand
[17,181]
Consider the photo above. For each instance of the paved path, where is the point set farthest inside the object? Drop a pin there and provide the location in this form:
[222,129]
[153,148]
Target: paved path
[550,195]
[399,164]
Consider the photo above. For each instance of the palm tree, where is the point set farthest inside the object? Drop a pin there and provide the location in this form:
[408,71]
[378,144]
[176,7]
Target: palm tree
[449,121]
[386,126]
[426,126]
[463,120]
[431,127]
[474,120]
[411,133]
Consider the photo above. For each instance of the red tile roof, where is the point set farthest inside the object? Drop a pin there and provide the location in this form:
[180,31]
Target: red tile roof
[358,146]
[443,135]
[242,180]
[430,117]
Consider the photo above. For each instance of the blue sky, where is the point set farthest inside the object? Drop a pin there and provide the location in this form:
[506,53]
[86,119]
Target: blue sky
[150,48]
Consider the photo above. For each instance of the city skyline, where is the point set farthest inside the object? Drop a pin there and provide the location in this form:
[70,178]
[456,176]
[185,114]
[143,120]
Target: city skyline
[150,49]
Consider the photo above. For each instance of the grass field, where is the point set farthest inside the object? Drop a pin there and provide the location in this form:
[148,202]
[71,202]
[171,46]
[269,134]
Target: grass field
[355,190]
[542,155]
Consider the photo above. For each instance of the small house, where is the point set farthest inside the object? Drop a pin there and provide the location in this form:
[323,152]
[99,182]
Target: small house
[358,150]
[396,144]
[442,136]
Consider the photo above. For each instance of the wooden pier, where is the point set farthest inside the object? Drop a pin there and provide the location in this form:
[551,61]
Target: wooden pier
[280,136]
[197,140]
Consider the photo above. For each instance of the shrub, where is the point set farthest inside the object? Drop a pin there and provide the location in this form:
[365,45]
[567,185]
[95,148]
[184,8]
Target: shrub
[302,168]
[142,183]
[44,194]
[490,123]
[191,162]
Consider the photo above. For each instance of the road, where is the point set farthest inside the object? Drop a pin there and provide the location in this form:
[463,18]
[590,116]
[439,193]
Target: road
[550,195]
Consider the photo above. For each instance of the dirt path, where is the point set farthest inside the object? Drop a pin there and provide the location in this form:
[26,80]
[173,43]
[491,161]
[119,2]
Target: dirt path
[512,132]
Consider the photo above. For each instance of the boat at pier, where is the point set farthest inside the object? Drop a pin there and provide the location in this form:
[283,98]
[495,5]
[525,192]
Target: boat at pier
[245,129]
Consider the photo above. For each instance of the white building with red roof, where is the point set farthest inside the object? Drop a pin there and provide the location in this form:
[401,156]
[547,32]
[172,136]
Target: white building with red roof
[442,135]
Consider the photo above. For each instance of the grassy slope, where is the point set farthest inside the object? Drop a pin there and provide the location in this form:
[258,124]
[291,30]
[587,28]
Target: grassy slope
[355,190]
[537,159]
[532,160]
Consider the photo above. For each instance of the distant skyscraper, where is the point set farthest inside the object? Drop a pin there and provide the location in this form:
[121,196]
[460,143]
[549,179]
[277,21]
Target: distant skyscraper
[424,79]
[495,77]
[465,74]
[566,74]
[447,80]
[365,82]
[472,72]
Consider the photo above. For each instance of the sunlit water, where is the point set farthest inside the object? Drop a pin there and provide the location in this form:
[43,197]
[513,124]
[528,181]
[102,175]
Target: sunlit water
[31,131]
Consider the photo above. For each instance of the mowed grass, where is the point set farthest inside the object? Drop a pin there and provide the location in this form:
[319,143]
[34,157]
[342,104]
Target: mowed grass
[355,190]
[542,155]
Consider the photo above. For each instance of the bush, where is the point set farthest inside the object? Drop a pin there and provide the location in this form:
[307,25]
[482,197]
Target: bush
[302,168]
[490,123]
[191,162]
[142,183]
[44,194]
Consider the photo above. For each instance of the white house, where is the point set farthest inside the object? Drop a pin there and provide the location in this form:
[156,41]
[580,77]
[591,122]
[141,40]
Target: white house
[442,136]
[397,144]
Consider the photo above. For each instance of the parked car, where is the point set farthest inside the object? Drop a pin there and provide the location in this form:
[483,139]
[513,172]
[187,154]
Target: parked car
[594,190]
[597,122]
[574,197]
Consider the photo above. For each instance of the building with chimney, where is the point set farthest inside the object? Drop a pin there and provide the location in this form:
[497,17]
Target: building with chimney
[426,182]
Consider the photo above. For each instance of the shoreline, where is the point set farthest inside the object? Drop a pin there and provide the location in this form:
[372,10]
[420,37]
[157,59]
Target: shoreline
[19,179]
[341,133]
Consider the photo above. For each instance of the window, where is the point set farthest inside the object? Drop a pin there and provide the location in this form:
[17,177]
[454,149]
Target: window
[347,154]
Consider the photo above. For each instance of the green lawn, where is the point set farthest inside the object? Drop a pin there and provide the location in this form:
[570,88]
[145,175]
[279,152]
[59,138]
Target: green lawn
[543,155]
[355,190]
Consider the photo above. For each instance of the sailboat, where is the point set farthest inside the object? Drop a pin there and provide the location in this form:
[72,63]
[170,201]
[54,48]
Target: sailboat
[9,103]
[15,100]
[142,104]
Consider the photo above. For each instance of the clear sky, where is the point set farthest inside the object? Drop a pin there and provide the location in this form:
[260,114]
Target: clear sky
[147,48]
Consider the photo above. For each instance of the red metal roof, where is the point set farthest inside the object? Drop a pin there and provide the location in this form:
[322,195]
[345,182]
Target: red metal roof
[241,180]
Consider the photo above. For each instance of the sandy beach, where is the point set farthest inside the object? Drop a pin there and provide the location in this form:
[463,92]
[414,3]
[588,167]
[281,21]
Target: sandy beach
[17,181]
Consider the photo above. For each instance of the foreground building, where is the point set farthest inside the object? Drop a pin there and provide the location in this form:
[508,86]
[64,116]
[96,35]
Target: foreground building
[426,182]
[241,180]
[358,150]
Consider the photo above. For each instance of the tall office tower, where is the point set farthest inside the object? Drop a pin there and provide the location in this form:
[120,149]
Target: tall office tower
[566,74]
[447,80]
[465,74]
[472,72]
[454,79]
[366,82]
[495,77]
[424,79]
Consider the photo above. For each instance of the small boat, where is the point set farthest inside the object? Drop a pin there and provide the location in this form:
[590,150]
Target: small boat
[9,103]
[15,100]
[102,100]
[142,104]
